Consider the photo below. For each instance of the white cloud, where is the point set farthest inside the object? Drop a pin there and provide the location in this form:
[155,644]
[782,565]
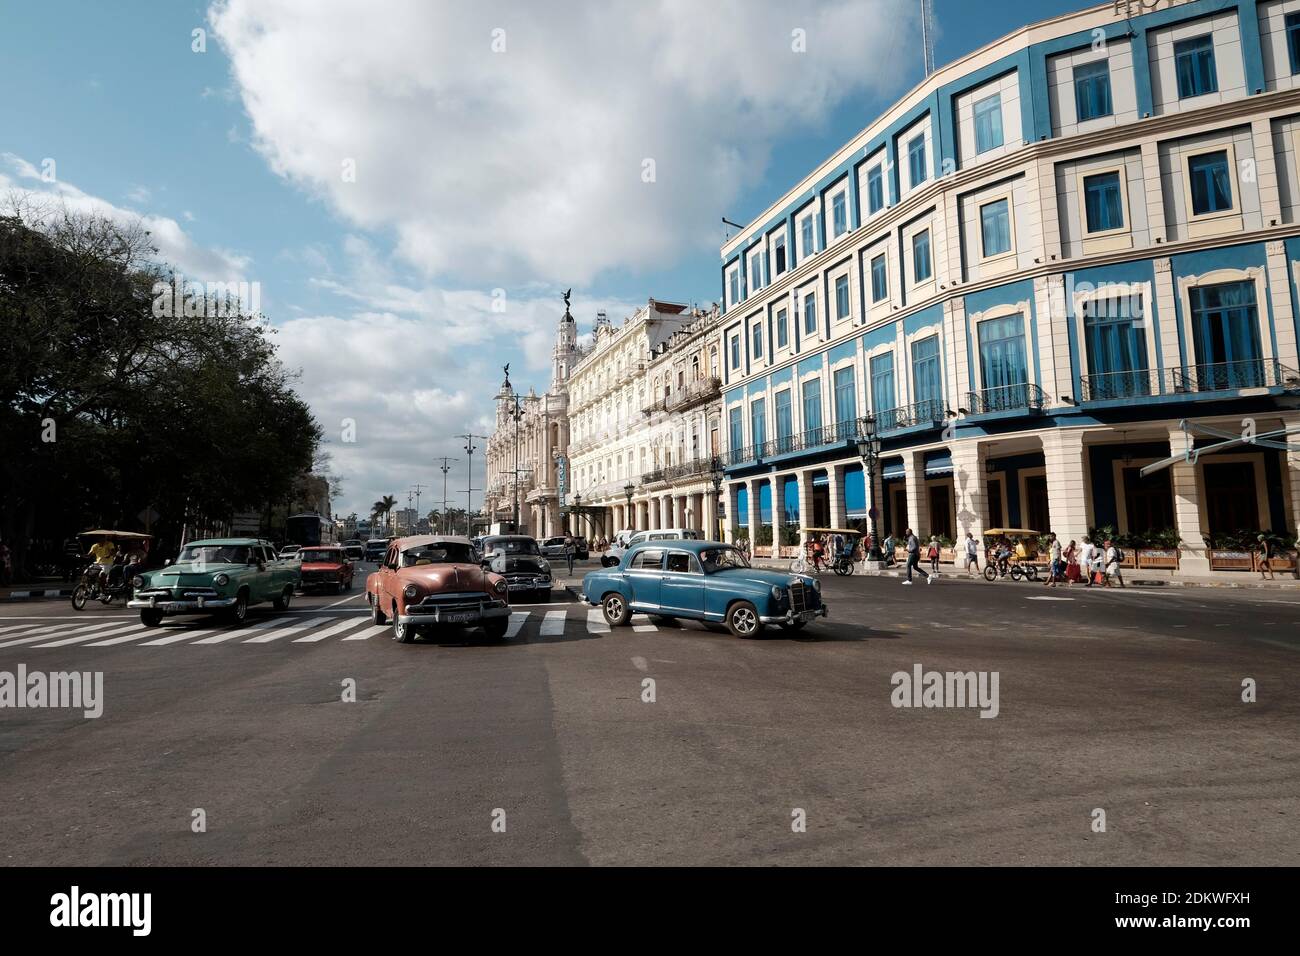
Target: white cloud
[527,164]
[175,245]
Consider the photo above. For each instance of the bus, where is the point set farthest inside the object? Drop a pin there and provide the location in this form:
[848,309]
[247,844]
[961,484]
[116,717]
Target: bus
[310,530]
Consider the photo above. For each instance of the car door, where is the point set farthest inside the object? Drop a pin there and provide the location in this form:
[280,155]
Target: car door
[272,575]
[682,585]
[644,576]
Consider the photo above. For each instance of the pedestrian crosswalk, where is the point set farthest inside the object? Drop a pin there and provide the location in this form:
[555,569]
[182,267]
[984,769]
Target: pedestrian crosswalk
[307,628]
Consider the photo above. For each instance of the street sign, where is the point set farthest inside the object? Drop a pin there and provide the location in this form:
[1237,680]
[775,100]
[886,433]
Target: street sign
[722,510]
[561,477]
[872,513]
[148,516]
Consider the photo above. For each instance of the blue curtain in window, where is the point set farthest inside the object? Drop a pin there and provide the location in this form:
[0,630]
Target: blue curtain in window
[916,161]
[1194,63]
[842,297]
[758,424]
[882,389]
[925,371]
[839,216]
[921,256]
[735,431]
[812,408]
[1004,370]
[846,406]
[855,493]
[1211,182]
[995,228]
[1102,202]
[784,421]
[879,279]
[810,316]
[1092,90]
[742,506]
[1225,327]
[875,189]
[1117,350]
[988,124]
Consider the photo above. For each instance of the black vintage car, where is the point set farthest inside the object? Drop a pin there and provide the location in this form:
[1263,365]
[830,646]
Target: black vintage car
[519,559]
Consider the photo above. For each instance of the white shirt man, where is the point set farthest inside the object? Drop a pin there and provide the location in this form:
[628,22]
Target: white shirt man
[1086,554]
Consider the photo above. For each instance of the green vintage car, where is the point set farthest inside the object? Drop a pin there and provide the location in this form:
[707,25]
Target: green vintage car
[225,575]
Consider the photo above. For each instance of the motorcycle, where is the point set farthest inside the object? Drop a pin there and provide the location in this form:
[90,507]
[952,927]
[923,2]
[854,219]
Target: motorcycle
[1012,568]
[91,588]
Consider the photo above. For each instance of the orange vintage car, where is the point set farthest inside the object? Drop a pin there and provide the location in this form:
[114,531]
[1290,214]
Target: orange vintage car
[428,581]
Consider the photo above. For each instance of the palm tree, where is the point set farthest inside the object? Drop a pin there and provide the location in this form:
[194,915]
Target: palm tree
[383,506]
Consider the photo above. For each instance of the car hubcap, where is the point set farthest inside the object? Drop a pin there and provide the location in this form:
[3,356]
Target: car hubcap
[614,607]
[744,620]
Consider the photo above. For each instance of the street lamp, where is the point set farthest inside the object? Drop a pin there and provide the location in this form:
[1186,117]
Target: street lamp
[716,475]
[628,491]
[869,451]
[577,510]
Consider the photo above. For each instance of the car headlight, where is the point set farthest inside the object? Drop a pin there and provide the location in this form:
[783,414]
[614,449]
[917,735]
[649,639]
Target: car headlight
[410,592]
[817,584]
[221,580]
[777,593]
[546,567]
[137,582]
[499,585]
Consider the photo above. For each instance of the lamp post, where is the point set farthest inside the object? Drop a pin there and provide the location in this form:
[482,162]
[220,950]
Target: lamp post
[716,475]
[442,524]
[577,510]
[628,490]
[869,451]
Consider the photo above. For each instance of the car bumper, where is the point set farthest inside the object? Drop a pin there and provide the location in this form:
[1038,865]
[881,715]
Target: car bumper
[790,617]
[186,606]
[529,584]
[454,613]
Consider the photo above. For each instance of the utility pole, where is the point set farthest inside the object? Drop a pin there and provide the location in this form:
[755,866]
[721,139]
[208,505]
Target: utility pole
[444,468]
[417,489]
[470,448]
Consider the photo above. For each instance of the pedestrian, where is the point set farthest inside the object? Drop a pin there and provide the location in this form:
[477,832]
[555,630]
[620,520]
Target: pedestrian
[913,547]
[1113,558]
[1265,556]
[887,549]
[1055,569]
[1071,563]
[932,552]
[570,548]
[1086,551]
[972,553]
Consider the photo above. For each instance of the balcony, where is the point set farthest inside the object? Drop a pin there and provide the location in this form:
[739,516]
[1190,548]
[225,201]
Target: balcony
[1231,376]
[1023,398]
[1116,386]
[930,413]
[695,393]
[840,433]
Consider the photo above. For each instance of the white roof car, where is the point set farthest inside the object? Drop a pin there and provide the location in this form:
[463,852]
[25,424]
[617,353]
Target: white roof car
[615,552]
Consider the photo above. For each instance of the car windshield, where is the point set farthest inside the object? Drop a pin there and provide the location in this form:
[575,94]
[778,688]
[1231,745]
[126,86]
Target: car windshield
[326,555]
[514,545]
[720,559]
[214,554]
[442,552]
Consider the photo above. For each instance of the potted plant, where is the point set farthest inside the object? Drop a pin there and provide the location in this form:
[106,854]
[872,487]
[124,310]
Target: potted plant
[1159,549]
[1231,550]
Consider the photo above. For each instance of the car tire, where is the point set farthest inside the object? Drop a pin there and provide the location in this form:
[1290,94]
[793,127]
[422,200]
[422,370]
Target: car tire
[376,616]
[617,613]
[742,620]
[238,614]
[495,629]
[150,617]
[402,633]
[286,597]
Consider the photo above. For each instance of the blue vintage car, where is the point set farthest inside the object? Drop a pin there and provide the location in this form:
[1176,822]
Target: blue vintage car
[706,581]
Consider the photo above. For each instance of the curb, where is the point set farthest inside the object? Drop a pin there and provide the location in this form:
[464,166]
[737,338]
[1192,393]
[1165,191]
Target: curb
[32,595]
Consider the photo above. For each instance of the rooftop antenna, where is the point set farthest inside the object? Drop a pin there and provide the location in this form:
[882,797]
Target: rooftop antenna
[927,34]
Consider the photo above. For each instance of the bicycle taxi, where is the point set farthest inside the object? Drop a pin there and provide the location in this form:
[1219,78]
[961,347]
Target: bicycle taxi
[1020,562]
[840,562]
[89,586]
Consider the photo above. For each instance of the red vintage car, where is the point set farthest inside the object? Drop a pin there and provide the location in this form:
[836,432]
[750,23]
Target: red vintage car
[325,566]
[431,581]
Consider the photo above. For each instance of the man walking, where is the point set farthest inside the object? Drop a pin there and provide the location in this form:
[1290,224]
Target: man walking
[914,560]
[1087,554]
[972,553]
[569,549]
[1055,569]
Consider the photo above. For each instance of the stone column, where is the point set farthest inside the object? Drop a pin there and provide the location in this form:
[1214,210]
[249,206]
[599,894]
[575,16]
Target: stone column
[918,500]
[1291,480]
[835,475]
[804,478]
[1068,497]
[970,487]
[1187,507]
[709,516]
[754,513]
[778,490]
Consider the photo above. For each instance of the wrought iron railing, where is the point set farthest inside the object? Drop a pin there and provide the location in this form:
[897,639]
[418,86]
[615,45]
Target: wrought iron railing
[931,412]
[695,393]
[1022,397]
[1110,386]
[1228,376]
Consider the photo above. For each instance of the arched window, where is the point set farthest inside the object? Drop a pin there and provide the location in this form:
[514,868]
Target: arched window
[713,362]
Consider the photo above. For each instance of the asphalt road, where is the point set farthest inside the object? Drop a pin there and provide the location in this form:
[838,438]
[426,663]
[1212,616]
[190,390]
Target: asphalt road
[1128,702]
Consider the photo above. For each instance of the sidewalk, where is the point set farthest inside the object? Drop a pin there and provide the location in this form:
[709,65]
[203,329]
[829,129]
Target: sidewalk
[36,589]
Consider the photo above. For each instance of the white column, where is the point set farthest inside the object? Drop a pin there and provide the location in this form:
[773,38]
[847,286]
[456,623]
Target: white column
[835,476]
[1068,500]
[777,482]
[1279,286]
[970,488]
[1187,507]
[918,501]
[754,513]
[804,477]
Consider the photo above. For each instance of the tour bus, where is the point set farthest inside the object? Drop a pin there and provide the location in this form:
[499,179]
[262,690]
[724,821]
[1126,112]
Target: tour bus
[310,530]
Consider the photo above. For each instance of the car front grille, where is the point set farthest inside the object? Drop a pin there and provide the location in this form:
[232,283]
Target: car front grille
[798,597]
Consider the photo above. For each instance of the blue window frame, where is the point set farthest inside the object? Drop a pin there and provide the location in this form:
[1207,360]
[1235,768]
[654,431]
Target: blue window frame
[806,238]
[1117,348]
[757,422]
[921,256]
[839,215]
[756,271]
[1293,40]
[916,161]
[1194,64]
[995,228]
[879,279]
[812,404]
[842,297]
[1004,370]
[756,340]
[735,429]
[926,382]
[875,189]
[988,123]
[782,329]
[1103,202]
[882,384]
[735,351]
[846,403]
[784,421]
[810,315]
[1092,90]
[1211,182]
[778,253]
[1225,329]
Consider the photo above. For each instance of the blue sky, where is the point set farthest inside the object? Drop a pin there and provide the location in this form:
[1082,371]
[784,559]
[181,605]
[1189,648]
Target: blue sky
[479,174]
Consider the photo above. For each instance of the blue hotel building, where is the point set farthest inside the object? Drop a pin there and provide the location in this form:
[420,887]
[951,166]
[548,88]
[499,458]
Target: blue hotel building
[1031,270]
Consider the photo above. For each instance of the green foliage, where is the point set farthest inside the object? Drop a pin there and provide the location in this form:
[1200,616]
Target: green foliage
[764,536]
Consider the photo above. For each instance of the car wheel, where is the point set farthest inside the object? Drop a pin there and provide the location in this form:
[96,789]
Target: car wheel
[150,618]
[402,633]
[238,614]
[376,615]
[282,602]
[742,620]
[80,594]
[495,629]
[617,613]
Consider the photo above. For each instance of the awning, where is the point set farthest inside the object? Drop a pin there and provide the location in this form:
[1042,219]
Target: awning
[938,463]
[894,468]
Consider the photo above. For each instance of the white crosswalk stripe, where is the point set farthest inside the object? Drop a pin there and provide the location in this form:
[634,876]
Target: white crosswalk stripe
[14,627]
[642,623]
[185,634]
[345,625]
[553,624]
[367,632]
[230,633]
[596,621]
[517,619]
[274,634]
[46,632]
[132,633]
